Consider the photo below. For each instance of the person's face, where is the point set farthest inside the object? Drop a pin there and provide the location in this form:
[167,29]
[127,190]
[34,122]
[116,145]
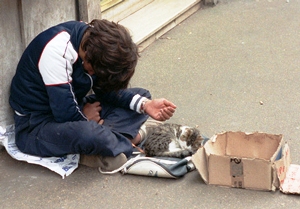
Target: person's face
[86,65]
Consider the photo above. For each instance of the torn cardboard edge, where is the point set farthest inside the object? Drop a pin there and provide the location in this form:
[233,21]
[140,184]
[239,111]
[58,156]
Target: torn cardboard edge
[291,184]
[288,174]
[258,161]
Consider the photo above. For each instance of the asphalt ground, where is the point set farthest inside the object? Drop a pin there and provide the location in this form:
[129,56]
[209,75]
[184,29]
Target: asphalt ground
[232,67]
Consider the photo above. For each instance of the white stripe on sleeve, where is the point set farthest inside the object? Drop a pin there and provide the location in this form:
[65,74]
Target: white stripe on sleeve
[136,103]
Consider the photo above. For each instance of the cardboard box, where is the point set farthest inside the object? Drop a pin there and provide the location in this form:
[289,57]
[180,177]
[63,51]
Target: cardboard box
[243,160]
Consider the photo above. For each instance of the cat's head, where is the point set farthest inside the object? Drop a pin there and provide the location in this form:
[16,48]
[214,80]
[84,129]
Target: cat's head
[195,139]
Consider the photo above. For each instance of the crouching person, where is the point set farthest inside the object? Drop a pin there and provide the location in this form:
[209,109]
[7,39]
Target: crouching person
[55,115]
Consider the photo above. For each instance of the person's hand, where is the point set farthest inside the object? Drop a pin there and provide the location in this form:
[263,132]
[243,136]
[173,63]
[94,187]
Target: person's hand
[159,109]
[92,112]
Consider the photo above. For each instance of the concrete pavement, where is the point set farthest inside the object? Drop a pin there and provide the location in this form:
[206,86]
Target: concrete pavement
[230,67]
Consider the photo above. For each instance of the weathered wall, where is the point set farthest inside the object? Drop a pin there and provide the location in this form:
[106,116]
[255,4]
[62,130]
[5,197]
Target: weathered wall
[39,15]
[89,10]
[10,52]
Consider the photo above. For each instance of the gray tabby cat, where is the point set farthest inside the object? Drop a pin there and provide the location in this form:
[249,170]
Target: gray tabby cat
[171,140]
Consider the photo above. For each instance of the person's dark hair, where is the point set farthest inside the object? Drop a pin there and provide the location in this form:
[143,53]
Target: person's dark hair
[112,54]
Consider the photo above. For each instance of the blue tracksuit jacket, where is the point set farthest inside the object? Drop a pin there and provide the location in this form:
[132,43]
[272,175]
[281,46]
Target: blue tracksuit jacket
[50,81]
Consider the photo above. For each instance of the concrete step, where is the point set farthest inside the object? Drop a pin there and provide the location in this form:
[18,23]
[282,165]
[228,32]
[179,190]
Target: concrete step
[124,9]
[158,17]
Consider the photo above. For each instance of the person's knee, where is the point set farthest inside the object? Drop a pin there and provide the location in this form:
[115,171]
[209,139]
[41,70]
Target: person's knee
[94,139]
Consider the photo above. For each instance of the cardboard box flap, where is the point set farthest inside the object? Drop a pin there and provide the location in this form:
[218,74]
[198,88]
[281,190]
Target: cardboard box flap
[211,147]
[241,144]
[288,174]
[291,183]
[200,161]
[252,145]
[282,164]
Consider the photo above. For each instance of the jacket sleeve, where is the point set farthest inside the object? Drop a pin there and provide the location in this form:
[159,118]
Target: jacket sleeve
[55,67]
[125,98]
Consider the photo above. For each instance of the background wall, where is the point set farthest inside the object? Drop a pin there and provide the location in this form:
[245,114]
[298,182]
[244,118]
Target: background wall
[21,21]
[10,52]
[39,15]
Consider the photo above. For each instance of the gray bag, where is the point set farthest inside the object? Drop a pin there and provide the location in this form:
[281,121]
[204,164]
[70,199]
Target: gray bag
[156,166]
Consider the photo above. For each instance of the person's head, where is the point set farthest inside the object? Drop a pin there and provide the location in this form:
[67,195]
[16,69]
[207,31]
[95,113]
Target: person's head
[111,53]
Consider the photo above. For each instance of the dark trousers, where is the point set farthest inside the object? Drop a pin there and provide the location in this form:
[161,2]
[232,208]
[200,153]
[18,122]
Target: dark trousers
[49,138]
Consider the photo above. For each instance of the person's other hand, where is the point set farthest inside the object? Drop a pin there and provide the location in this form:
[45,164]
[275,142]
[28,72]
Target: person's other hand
[92,112]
